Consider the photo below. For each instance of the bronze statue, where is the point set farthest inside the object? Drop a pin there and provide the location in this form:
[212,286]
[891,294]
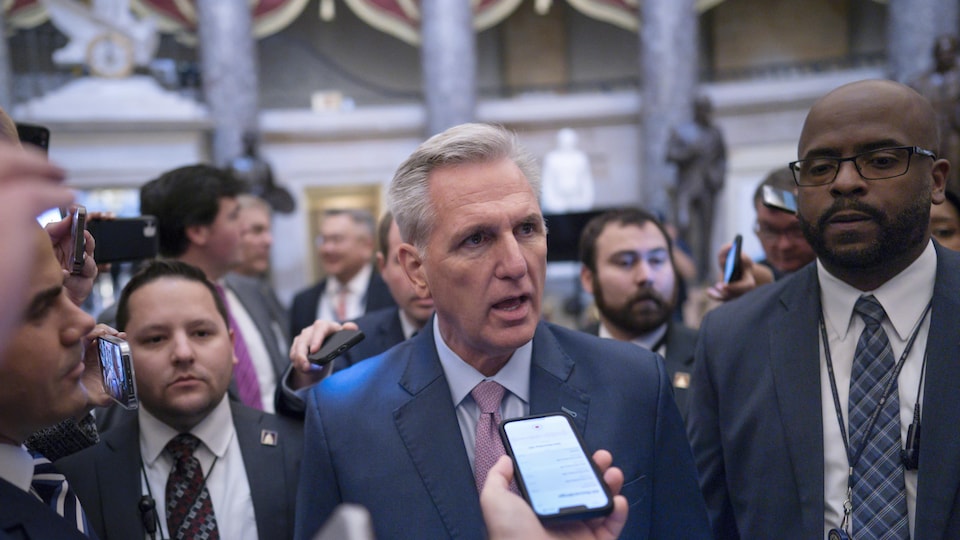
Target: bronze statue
[698,150]
[941,86]
[258,175]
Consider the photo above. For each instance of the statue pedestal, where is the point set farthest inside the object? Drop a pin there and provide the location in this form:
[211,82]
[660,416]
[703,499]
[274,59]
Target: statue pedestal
[95,99]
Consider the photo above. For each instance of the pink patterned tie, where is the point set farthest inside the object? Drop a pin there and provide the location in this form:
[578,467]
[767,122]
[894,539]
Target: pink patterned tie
[244,373]
[489,447]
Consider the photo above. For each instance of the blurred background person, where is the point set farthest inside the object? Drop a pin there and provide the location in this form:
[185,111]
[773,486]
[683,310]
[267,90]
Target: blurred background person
[351,287]
[945,221]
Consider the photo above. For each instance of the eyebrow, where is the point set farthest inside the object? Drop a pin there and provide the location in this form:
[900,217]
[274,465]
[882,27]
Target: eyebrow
[41,301]
[858,149]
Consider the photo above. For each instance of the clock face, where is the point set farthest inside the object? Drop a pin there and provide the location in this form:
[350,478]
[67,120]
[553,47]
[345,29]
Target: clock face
[110,55]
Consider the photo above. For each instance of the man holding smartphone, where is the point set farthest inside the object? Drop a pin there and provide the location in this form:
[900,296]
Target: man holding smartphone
[410,434]
[186,427]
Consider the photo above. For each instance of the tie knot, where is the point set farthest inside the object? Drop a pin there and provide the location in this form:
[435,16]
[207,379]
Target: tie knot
[869,309]
[182,446]
[488,395]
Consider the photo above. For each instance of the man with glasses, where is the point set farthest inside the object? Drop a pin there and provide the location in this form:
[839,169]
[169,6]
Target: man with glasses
[805,401]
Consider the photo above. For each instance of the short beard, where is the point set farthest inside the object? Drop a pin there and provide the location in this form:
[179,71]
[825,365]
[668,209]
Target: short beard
[623,316]
[895,236]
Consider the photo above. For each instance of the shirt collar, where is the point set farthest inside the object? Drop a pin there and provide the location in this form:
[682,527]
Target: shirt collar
[462,377]
[356,285]
[647,341]
[407,325]
[16,465]
[903,297]
[215,432]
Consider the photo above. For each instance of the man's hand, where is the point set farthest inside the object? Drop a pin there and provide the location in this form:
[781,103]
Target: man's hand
[753,276]
[80,285]
[509,517]
[309,340]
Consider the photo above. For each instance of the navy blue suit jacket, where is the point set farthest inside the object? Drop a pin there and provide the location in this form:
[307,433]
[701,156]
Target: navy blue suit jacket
[756,422]
[384,434]
[381,330]
[303,311]
[24,517]
[107,479]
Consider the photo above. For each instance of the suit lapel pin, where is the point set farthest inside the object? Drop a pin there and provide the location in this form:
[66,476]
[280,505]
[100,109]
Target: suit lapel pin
[268,437]
[681,379]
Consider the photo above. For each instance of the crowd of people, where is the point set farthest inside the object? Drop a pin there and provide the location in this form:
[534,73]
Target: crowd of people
[793,411]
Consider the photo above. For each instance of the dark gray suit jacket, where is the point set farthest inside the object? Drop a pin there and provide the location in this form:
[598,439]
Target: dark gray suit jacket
[271,319]
[681,342]
[756,422]
[23,517]
[304,309]
[384,434]
[107,476]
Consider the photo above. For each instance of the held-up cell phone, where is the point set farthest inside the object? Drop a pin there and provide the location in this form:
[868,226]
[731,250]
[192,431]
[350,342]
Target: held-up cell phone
[733,267]
[116,366]
[552,468]
[38,136]
[77,240]
[124,239]
[780,199]
[334,345]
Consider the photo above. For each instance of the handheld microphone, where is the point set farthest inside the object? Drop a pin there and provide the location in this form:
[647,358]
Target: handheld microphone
[148,514]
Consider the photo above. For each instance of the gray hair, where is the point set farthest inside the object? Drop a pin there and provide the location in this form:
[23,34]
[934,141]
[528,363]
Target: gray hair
[408,196]
[359,216]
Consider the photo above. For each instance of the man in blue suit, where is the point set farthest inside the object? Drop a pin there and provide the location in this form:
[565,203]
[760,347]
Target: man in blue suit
[778,379]
[399,433]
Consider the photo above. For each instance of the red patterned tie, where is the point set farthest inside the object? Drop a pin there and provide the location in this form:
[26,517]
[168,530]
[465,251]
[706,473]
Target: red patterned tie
[244,373]
[341,307]
[189,510]
[489,447]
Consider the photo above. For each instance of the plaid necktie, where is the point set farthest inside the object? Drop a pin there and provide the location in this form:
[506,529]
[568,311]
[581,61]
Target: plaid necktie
[52,489]
[489,447]
[189,509]
[248,386]
[879,496]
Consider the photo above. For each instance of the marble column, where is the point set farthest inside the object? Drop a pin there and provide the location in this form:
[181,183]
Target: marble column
[6,71]
[912,27]
[668,85]
[228,65]
[448,57]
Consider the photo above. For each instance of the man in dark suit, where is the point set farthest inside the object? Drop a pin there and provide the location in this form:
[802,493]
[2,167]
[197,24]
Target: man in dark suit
[403,433]
[352,287]
[249,460]
[777,395]
[627,265]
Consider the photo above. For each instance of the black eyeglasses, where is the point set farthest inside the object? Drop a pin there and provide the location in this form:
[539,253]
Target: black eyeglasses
[872,165]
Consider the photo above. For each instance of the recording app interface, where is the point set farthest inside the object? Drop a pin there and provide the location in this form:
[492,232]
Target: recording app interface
[115,378]
[556,472]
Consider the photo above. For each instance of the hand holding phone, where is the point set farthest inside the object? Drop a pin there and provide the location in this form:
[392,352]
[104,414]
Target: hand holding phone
[733,267]
[552,469]
[334,345]
[116,367]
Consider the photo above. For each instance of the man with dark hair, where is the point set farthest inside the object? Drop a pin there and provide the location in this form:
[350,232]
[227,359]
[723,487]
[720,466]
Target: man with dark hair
[945,221]
[627,264]
[805,402]
[198,217]
[351,287]
[244,462]
[410,434]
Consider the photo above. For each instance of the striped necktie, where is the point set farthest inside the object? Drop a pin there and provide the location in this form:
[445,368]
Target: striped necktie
[51,487]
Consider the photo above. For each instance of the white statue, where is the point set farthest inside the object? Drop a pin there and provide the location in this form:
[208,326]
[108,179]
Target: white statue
[567,180]
[104,36]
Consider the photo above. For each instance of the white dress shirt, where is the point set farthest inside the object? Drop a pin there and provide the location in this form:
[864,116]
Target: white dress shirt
[462,377]
[904,299]
[16,465]
[227,482]
[356,293]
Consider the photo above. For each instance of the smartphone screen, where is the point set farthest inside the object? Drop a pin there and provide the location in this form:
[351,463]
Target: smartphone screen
[553,470]
[732,268]
[116,367]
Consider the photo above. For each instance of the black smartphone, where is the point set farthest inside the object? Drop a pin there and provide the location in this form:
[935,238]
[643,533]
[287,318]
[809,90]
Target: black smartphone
[552,469]
[779,199]
[77,240]
[38,136]
[116,367]
[334,345]
[124,239]
[733,267]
